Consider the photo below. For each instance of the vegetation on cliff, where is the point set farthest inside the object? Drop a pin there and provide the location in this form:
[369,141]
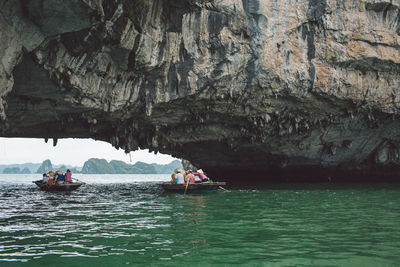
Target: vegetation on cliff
[287,90]
[101,166]
[45,167]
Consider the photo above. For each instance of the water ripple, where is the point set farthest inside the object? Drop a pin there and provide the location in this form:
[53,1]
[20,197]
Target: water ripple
[138,223]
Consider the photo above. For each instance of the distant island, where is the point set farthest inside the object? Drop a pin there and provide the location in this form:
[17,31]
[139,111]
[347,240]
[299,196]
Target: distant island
[17,170]
[94,166]
[100,166]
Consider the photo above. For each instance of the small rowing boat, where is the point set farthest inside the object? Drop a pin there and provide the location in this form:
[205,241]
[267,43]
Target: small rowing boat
[197,187]
[58,187]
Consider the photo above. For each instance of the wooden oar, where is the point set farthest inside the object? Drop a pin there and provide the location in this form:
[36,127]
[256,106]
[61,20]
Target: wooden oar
[187,183]
[224,189]
[78,180]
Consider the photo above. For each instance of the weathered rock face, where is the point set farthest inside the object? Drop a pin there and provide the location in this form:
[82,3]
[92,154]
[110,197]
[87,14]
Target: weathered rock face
[283,88]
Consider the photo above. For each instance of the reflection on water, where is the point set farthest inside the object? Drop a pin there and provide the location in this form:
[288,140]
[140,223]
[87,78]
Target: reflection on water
[135,222]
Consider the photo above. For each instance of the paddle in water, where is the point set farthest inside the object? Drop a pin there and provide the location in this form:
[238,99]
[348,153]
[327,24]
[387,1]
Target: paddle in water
[187,183]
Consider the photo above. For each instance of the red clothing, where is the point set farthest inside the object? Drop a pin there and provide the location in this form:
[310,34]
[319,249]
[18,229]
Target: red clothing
[191,178]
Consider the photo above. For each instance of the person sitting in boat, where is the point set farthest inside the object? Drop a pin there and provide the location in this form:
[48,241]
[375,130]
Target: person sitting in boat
[203,178]
[52,179]
[59,177]
[45,178]
[180,179]
[173,178]
[190,177]
[68,176]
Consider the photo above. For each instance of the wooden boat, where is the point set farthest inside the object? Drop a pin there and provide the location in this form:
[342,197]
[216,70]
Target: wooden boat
[197,187]
[58,187]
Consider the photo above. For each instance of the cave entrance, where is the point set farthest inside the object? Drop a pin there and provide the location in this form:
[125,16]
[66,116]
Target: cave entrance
[70,152]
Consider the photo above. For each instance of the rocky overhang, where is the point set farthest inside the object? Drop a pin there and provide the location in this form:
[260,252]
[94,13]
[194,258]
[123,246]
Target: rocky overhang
[248,89]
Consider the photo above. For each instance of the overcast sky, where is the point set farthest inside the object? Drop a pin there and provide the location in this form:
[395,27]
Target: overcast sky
[69,151]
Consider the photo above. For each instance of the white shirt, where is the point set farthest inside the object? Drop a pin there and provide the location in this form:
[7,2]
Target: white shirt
[180,178]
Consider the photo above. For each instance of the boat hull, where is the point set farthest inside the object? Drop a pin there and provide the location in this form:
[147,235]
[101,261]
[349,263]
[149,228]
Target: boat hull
[198,187]
[58,187]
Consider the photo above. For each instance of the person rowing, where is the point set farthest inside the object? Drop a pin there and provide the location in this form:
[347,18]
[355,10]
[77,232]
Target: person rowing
[68,176]
[190,177]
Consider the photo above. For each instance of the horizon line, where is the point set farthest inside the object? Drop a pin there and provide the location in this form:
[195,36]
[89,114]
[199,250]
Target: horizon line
[86,161]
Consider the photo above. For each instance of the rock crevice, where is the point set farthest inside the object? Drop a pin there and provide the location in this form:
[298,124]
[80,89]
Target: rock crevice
[289,89]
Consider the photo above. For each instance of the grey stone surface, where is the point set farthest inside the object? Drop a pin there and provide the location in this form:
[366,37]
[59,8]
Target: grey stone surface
[286,88]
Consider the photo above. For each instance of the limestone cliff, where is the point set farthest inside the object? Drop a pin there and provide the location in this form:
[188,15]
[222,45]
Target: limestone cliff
[287,88]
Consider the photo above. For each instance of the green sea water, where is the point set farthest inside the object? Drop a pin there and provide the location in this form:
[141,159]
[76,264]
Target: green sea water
[118,220]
